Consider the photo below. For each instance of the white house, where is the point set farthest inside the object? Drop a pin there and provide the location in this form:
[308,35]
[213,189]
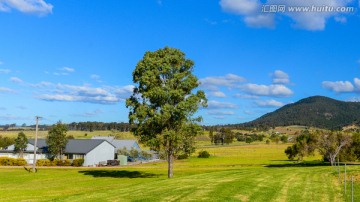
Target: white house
[92,151]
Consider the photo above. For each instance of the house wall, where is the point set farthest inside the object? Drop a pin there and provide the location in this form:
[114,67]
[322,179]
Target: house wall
[103,152]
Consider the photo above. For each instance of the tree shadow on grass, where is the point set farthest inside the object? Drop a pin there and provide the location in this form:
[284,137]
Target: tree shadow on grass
[118,174]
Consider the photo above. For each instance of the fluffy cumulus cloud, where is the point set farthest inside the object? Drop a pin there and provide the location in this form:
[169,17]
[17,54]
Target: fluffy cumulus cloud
[38,7]
[310,14]
[213,104]
[280,77]
[338,86]
[275,90]
[213,83]
[250,9]
[357,83]
[72,93]
[269,103]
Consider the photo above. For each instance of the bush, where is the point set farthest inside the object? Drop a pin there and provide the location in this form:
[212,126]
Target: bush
[78,162]
[203,154]
[6,161]
[55,162]
[182,156]
[145,155]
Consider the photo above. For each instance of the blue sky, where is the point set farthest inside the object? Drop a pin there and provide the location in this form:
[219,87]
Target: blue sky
[73,60]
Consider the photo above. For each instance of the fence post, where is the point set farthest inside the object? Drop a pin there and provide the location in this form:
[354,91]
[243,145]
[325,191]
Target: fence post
[352,188]
[345,180]
[339,170]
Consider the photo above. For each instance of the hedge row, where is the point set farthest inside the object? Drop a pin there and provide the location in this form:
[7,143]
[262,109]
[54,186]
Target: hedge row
[57,162]
[6,161]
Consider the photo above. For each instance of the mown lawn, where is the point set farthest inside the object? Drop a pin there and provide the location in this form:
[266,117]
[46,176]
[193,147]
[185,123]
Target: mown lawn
[236,173]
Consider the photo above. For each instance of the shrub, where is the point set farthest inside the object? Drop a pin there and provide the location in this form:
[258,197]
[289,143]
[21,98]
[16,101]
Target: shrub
[78,162]
[267,141]
[6,161]
[21,162]
[182,156]
[146,155]
[203,154]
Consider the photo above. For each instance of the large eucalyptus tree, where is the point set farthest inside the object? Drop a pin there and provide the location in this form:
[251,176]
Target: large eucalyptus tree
[164,102]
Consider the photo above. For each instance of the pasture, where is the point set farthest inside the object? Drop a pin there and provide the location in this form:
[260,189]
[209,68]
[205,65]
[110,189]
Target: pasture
[256,172]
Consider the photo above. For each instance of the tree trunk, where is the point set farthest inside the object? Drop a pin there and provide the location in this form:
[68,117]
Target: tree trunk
[170,165]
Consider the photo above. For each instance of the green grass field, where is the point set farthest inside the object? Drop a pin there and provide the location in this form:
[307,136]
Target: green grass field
[256,172]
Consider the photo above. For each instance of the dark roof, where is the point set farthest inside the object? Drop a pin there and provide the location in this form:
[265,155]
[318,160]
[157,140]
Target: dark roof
[119,144]
[41,143]
[82,146]
[74,146]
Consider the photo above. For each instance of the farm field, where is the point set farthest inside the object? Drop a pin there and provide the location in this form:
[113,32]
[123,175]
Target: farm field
[76,134]
[256,172]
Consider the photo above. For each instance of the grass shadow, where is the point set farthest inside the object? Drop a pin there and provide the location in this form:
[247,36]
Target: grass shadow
[118,174]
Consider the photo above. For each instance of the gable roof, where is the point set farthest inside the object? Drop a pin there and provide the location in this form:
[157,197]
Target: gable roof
[74,146]
[119,144]
[83,146]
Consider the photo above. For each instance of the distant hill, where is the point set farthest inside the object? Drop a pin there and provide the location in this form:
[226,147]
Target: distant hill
[315,111]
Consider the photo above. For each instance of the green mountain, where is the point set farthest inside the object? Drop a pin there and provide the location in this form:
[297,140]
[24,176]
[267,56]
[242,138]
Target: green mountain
[316,111]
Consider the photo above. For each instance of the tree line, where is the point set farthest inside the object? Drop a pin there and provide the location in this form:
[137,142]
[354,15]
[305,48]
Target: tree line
[332,145]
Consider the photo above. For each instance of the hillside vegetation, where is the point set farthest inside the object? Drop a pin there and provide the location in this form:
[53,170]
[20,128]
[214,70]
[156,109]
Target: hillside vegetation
[316,111]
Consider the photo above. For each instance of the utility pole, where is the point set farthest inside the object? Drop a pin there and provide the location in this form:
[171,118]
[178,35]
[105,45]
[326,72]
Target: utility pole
[35,143]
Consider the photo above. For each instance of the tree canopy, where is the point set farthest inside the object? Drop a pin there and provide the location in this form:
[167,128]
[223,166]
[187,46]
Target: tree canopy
[57,140]
[163,102]
[20,144]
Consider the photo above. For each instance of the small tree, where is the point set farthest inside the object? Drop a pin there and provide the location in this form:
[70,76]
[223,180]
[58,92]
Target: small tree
[249,140]
[57,140]
[20,144]
[123,151]
[331,144]
[134,153]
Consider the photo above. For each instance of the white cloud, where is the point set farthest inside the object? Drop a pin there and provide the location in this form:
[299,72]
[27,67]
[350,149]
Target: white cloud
[16,80]
[72,93]
[357,83]
[64,71]
[280,77]
[212,104]
[259,21]
[218,94]
[254,15]
[5,71]
[269,103]
[276,90]
[217,112]
[241,7]
[6,90]
[67,69]
[338,86]
[42,84]
[38,7]
[213,83]
[245,96]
